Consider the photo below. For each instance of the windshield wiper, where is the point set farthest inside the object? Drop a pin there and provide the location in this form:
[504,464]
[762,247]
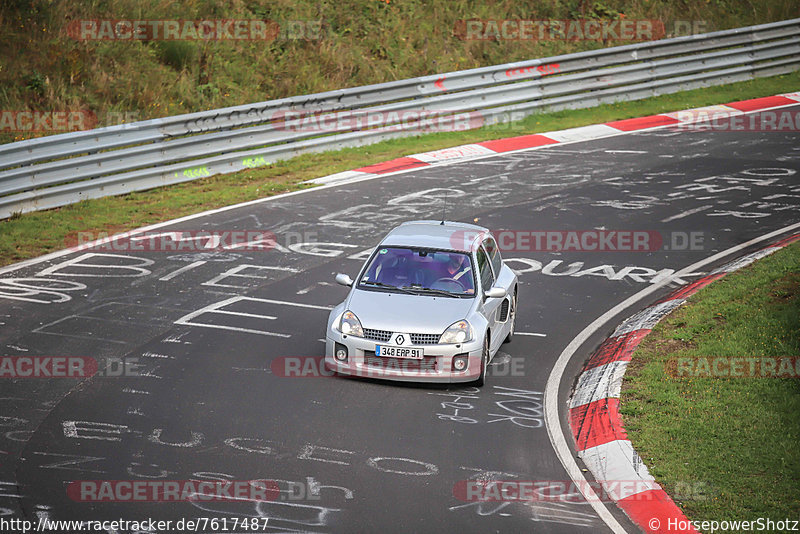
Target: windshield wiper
[431,290]
[387,286]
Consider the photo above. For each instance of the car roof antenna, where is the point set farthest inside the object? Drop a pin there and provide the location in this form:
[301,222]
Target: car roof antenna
[444,207]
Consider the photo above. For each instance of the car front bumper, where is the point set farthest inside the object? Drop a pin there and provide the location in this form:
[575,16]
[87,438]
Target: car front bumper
[436,366]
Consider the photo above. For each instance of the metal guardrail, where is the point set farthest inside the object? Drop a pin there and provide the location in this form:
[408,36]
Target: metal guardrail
[57,170]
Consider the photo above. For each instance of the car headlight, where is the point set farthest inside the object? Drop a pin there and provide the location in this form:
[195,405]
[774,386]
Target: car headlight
[350,324]
[458,332]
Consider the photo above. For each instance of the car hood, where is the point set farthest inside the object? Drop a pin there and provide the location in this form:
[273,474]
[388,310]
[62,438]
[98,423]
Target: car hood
[401,312]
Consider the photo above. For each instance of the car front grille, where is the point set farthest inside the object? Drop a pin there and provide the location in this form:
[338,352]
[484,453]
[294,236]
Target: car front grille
[425,339]
[416,339]
[377,335]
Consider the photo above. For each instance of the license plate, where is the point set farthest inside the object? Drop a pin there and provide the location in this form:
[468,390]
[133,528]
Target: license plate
[388,351]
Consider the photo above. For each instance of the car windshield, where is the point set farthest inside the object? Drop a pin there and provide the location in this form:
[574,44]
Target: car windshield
[426,271]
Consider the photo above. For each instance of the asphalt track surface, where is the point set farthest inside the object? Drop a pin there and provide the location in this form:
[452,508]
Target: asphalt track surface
[356,455]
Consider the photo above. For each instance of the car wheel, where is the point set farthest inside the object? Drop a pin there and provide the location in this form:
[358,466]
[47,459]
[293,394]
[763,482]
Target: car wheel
[484,361]
[512,317]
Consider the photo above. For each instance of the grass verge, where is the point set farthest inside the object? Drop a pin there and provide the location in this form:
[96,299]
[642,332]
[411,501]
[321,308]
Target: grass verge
[37,233]
[323,45]
[723,448]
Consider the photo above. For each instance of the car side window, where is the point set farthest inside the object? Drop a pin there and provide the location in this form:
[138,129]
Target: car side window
[487,278]
[494,255]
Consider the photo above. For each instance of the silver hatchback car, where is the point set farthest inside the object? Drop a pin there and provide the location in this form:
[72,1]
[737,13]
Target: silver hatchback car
[433,303]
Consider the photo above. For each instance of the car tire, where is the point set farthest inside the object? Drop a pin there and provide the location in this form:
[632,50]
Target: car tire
[513,317]
[484,362]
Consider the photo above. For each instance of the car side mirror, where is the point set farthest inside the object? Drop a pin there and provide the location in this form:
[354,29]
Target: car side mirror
[495,293]
[344,280]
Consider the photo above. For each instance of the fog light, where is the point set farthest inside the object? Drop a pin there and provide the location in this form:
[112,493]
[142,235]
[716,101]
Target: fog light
[460,362]
[340,353]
